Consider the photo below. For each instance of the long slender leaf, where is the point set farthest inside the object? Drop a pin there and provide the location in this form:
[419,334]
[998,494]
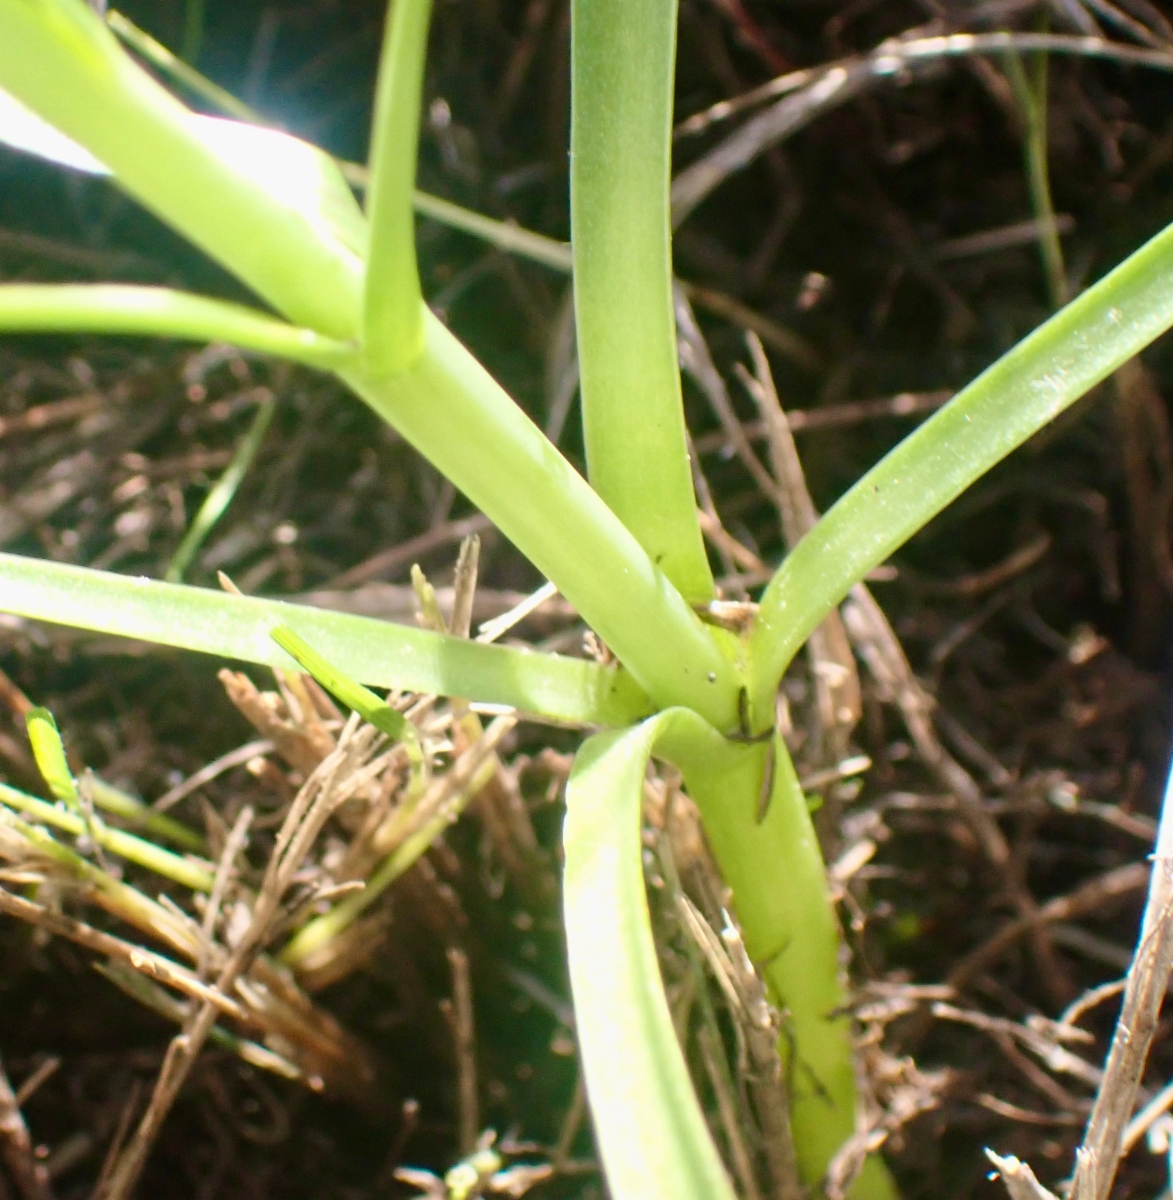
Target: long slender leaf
[220,495]
[376,653]
[197,876]
[1024,390]
[376,712]
[650,1130]
[132,309]
[624,53]
[393,306]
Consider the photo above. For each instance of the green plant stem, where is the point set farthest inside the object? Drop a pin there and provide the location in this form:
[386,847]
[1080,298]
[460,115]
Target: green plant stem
[1031,95]
[142,816]
[623,59]
[220,495]
[503,234]
[393,308]
[193,31]
[774,867]
[377,653]
[134,849]
[138,311]
[457,416]
[1024,390]
[183,73]
[62,61]
[20,840]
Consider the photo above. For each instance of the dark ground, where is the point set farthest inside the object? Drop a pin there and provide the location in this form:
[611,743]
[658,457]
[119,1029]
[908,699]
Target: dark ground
[838,236]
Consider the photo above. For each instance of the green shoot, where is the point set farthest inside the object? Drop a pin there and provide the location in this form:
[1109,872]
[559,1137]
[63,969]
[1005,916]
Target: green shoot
[220,496]
[49,753]
[374,652]
[374,711]
[1031,94]
[652,1135]
[1027,387]
[393,321]
[184,871]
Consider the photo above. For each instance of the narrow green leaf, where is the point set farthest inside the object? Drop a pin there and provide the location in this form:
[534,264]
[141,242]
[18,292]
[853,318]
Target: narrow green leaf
[135,310]
[220,495]
[393,306]
[768,853]
[1013,399]
[376,653]
[650,1130]
[195,875]
[143,817]
[623,59]
[370,707]
[49,753]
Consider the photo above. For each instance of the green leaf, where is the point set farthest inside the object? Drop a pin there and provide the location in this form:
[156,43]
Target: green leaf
[1025,389]
[132,309]
[49,753]
[650,1130]
[197,875]
[393,306]
[220,495]
[620,150]
[370,707]
[373,652]
[21,129]
[273,210]
[296,174]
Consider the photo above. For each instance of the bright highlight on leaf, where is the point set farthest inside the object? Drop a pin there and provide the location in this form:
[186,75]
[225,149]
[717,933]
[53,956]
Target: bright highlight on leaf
[49,752]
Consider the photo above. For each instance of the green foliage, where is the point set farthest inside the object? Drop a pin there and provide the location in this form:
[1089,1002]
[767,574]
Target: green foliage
[278,213]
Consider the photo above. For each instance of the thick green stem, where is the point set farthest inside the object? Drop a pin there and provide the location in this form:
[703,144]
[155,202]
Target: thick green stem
[393,327]
[776,872]
[456,415]
[620,140]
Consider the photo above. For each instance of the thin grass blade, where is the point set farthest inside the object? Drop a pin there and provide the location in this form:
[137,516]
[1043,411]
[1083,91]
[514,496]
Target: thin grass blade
[220,496]
[393,306]
[373,710]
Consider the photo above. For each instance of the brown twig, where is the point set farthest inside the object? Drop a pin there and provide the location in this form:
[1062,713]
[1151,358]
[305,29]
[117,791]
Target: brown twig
[460,1017]
[1144,991]
[307,815]
[16,1147]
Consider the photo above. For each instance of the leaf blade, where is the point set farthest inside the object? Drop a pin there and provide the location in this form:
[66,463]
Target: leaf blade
[651,1132]
[376,653]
